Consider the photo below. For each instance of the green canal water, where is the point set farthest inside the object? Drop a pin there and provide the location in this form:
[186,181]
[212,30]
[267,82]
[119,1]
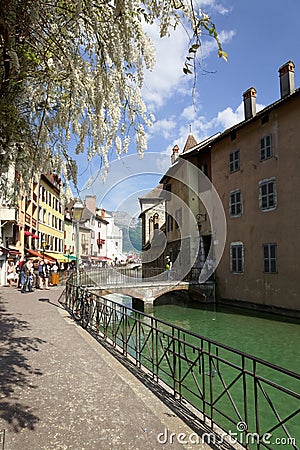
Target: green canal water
[269,337]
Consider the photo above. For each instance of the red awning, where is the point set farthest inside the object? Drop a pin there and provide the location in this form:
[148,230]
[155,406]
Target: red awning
[28,233]
[100,258]
[39,255]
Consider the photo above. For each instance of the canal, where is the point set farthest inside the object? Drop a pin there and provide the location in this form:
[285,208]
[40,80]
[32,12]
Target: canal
[271,337]
[216,380]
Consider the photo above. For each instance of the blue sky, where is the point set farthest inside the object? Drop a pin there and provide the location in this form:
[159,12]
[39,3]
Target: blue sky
[258,35]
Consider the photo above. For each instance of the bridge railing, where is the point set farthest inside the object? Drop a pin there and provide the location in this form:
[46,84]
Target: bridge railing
[123,275]
[254,402]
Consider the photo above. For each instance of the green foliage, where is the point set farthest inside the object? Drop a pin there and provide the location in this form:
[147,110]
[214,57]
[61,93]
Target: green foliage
[76,68]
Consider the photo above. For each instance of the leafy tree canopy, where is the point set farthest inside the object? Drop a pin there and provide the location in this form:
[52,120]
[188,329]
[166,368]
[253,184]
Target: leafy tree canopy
[75,68]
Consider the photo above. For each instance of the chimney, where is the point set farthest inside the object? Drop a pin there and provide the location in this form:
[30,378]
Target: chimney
[287,82]
[249,103]
[90,203]
[174,155]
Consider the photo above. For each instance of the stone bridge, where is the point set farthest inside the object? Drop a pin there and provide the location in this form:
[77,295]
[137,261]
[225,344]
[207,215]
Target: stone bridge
[145,289]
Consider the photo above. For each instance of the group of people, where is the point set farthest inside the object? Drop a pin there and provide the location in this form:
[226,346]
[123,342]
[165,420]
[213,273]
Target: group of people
[29,274]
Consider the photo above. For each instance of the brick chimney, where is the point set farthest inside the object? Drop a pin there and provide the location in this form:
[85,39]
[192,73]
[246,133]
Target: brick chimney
[174,155]
[90,203]
[287,82]
[249,103]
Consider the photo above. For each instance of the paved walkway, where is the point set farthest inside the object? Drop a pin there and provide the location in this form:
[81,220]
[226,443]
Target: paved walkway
[61,389]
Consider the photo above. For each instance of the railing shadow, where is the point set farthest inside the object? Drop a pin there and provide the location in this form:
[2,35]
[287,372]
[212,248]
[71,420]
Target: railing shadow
[16,371]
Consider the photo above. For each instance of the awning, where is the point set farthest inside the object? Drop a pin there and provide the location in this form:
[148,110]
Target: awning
[70,258]
[28,233]
[9,251]
[100,258]
[39,255]
[60,257]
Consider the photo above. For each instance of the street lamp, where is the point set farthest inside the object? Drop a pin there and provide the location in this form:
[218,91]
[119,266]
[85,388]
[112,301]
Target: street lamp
[77,211]
[44,245]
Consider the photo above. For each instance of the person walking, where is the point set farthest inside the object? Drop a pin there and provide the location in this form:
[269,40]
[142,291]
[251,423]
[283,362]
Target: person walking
[169,268]
[41,274]
[47,275]
[36,280]
[27,271]
[11,273]
[54,276]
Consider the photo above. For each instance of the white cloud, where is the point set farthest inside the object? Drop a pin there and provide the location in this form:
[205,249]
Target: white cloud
[167,75]
[201,128]
[189,112]
[168,78]
[213,6]
[164,127]
[228,117]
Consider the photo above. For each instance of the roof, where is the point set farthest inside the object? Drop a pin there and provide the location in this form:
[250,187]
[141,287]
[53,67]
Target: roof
[190,142]
[219,136]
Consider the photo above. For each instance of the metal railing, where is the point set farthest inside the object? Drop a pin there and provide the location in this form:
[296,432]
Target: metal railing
[124,275]
[242,395]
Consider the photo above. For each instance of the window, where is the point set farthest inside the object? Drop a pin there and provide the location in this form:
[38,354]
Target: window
[169,223]
[178,217]
[234,161]
[267,194]
[237,257]
[270,258]
[265,147]
[235,205]
[155,221]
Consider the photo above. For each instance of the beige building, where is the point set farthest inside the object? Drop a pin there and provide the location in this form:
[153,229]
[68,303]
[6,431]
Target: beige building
[255,168]
[153,217]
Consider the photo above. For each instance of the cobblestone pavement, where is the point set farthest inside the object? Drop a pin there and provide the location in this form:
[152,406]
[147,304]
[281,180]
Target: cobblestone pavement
[61,389]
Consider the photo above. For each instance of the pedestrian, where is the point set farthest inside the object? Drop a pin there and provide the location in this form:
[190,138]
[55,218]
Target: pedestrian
[169,267]
[41,274]
[19,271]
[55,276]
[11,273]
[47,275]
[36,280]
[27,270]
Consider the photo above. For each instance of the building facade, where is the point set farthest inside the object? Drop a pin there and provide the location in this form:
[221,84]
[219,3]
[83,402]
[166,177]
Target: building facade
[51,216]
[255,168]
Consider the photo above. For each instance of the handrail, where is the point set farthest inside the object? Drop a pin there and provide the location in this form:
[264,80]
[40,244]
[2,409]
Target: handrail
[227,386]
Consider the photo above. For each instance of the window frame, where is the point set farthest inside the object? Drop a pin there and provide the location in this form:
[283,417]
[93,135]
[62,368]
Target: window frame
[235,204]
[270,260]
[265,151]
[265,197]
[235,260]
[234,165]
[169,223]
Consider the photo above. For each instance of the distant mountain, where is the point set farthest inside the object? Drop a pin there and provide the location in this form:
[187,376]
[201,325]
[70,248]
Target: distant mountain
[132,231]
[123,219]
[132,239]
